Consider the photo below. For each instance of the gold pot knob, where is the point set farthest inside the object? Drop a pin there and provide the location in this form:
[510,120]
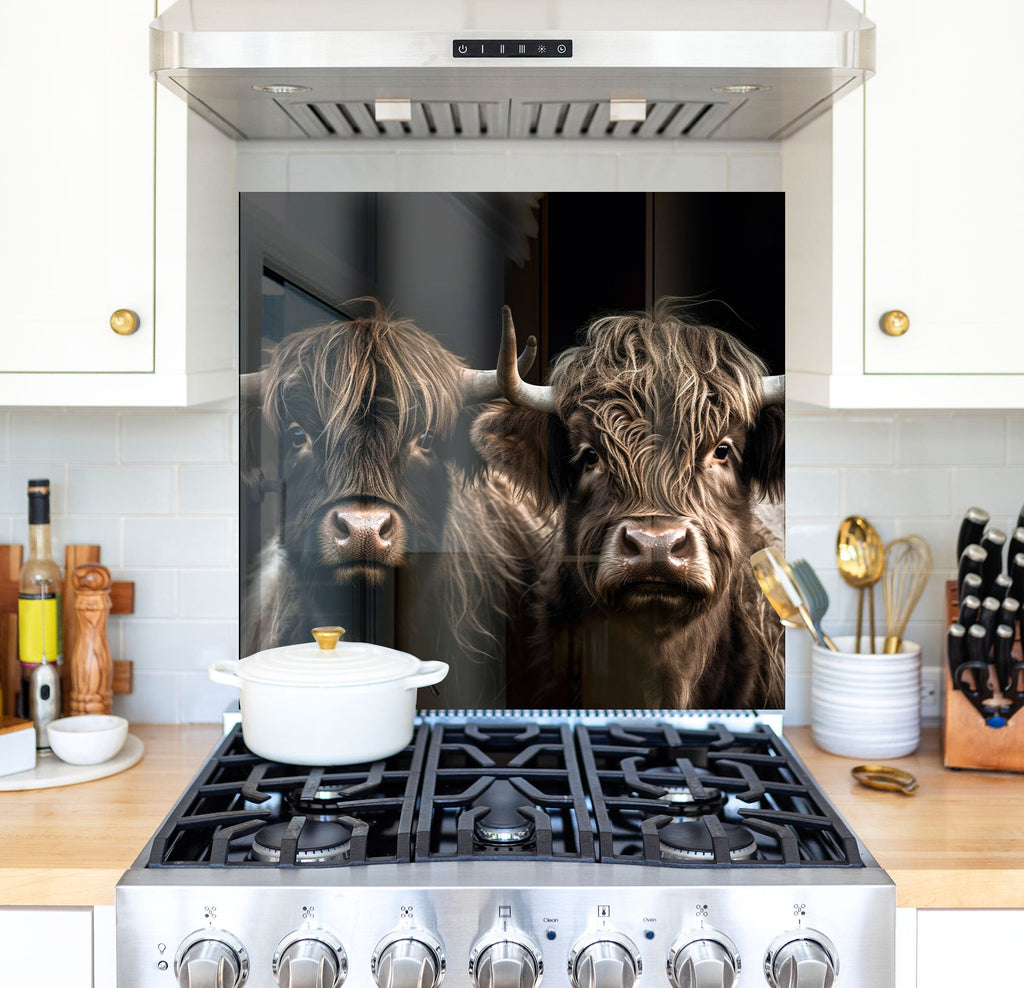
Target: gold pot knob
[327,637]
[895,323]
[124,322]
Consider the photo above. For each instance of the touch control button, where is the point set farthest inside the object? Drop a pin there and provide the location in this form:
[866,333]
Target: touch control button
[801,959]
[607,960]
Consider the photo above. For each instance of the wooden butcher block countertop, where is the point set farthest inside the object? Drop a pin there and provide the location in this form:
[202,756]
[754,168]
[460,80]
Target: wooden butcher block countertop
[959,842]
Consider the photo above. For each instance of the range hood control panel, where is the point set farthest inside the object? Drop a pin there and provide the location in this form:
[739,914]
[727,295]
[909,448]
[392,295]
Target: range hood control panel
[514,48]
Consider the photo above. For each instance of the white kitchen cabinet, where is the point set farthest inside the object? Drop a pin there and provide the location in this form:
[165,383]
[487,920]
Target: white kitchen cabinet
[969,947]
[113,196]
[47,947]
[907,196]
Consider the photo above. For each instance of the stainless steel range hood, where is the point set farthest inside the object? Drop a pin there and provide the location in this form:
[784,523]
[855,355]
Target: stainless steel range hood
[532,69]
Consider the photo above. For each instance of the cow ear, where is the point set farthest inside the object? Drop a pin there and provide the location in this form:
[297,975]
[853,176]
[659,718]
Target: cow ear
[764,454]
[531,448]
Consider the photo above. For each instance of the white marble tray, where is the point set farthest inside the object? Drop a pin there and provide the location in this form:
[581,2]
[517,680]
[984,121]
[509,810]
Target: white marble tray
[51,771]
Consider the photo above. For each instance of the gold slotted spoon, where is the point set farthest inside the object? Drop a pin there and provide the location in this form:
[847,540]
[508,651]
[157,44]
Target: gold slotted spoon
[860,558]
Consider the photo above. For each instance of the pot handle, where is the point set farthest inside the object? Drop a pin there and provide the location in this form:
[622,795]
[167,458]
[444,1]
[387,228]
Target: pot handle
[430,673]
[224,673]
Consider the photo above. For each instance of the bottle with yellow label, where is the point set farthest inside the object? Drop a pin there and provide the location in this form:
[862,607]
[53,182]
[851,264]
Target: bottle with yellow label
[39,589]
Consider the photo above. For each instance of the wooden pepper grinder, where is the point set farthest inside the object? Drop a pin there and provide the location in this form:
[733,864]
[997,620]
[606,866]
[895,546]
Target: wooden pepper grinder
[92,670]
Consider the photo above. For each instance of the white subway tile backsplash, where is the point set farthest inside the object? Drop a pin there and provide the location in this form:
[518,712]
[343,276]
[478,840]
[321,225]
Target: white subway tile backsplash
[811,492]
[156,592]
[175,437]
[569,171]
[1000,491]
[345,172]
[823,440]
[424,172]
[14,478]
[210,593]
[209,490]
[946,440]
[669,172]
[262,172]
[88,529]
[154,699]
[79,437]
[896,492]
[1015,439]
[202,700]
[755,172]
[179,542]
[121,490]
[158,645]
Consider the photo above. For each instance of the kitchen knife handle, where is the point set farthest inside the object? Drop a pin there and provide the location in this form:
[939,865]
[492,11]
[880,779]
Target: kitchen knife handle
[970,608]
[956,651]
[1003,661]
[992,542]
[977,660]
[1000,587]
[1016,545]
[988,618]
[1009,612]
[973,524]
[1017,576]
[972,560]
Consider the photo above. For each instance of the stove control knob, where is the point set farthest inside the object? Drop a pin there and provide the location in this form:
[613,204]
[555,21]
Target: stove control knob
[709,960]
[408,959]
[801,959]
[502,960]
[211,959]
[310,959]
[605,960]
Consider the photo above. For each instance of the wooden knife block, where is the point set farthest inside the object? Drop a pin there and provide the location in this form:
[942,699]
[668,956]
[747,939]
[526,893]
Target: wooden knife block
[122,598]
[967,741]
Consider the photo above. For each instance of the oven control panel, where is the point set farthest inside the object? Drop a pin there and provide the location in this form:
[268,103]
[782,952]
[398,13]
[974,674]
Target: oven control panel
[682,936]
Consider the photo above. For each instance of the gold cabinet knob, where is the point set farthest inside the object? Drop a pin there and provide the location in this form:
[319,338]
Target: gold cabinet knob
[124,322]
[895,323]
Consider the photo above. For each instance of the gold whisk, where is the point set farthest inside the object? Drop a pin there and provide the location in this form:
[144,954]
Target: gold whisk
[908,563]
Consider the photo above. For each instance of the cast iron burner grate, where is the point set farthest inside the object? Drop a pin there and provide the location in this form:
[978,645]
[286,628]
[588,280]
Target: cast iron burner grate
[637,792]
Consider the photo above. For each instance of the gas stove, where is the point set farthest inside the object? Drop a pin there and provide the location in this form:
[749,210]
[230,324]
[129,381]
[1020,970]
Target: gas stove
[499,849]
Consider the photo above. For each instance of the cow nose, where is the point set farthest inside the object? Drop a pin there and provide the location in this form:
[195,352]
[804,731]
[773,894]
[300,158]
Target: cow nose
[368,529]
[639,543]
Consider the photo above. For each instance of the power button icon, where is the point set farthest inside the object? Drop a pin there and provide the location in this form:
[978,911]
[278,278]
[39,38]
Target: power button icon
[463,49]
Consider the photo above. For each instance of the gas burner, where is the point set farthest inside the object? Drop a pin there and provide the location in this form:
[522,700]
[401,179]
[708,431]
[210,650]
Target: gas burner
[681,801]
[502,824]
[318,843]
[691,841]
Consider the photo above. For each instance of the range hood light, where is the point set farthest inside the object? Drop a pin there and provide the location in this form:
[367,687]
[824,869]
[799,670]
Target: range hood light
[281,90]
[741,89]
[627,109]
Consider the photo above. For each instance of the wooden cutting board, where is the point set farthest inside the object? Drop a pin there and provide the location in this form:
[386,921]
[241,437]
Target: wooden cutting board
[50,771]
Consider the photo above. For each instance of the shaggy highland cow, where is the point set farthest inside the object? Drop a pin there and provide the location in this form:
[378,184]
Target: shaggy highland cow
[382,489]
[650,445]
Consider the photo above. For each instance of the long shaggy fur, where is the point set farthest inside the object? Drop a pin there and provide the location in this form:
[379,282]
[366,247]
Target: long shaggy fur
[648,399]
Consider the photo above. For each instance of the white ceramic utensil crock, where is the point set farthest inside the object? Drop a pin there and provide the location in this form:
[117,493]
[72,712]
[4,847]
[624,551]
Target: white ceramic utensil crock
[317,704]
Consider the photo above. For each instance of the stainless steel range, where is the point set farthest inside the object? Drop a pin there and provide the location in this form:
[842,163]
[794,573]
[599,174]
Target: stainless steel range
[497,850]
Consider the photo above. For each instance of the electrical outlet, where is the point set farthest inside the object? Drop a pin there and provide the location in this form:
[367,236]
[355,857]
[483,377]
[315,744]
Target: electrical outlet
[931,694]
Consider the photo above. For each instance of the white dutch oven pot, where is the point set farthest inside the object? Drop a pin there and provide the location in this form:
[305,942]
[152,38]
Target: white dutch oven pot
[318,704]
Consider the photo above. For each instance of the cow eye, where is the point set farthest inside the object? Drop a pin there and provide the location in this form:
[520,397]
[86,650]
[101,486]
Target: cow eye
[297,434]
[722,452]
[590,457]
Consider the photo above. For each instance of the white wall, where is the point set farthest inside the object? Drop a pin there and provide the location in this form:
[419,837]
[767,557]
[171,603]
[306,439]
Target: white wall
[158,489]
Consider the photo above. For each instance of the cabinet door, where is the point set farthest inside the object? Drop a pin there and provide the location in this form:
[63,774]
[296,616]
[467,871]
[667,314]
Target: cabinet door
[46,948]
[76,196]
[944,202]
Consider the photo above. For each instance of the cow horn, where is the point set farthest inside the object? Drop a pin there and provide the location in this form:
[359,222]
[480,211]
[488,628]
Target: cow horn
[540,398]
[482,385]
[250,388]
[773,390]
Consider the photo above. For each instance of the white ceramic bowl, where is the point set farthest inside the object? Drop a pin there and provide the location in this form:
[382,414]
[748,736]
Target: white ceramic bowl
[88,739]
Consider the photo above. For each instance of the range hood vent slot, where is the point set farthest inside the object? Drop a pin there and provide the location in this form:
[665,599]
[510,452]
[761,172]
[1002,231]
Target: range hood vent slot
[590,118]
[430,119]
[581,119]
